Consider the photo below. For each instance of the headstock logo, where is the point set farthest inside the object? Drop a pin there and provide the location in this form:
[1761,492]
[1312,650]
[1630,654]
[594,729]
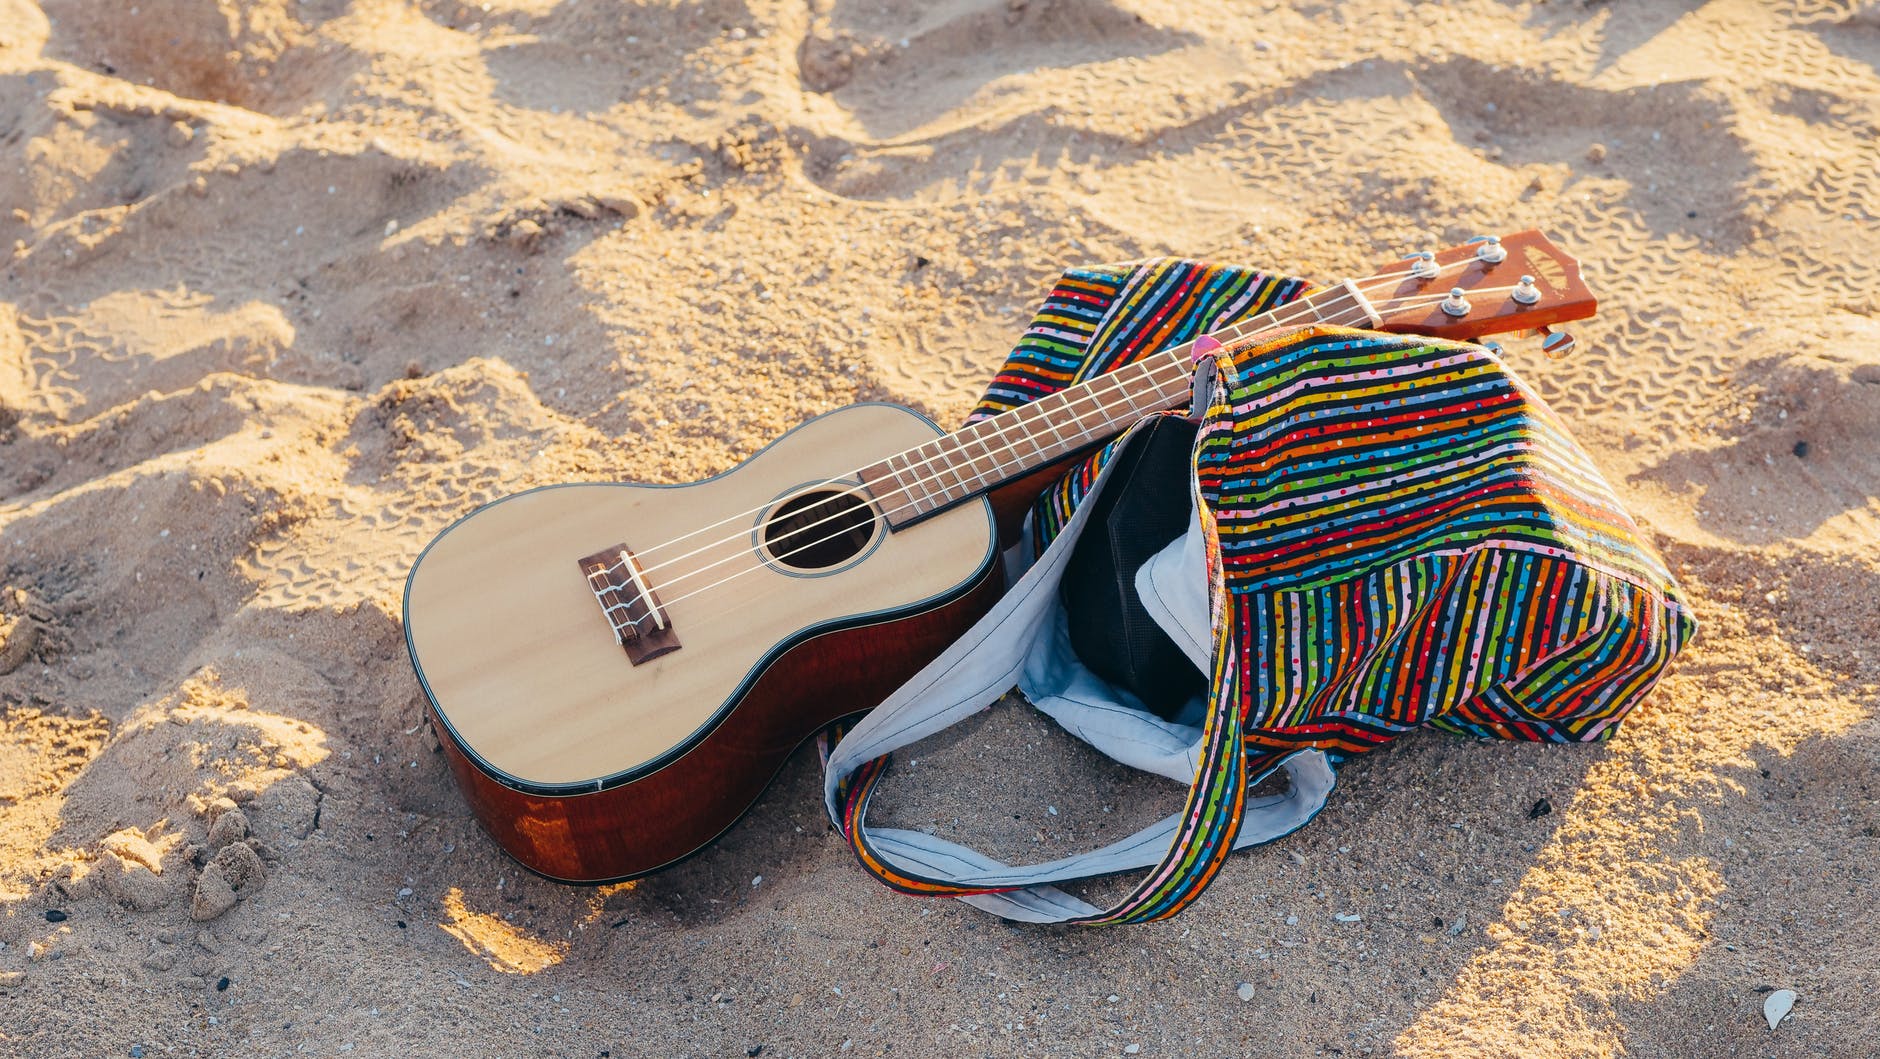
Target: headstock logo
[1545,270]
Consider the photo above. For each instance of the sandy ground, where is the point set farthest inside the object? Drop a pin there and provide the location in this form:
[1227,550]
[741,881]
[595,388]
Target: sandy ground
[290,284]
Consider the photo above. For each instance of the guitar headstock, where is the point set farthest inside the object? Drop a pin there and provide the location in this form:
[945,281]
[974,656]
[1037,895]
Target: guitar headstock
[1519,282]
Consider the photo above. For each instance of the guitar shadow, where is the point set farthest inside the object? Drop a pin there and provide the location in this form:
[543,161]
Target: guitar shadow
[777,843]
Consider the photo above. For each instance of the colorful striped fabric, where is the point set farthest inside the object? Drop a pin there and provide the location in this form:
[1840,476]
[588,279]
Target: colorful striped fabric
[1098,319]
[1409,537]
[1400,534]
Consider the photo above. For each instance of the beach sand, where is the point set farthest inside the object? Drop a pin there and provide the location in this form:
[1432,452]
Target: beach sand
[291,284]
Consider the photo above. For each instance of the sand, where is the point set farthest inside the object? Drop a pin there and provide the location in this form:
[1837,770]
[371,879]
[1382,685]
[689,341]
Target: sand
[290,285]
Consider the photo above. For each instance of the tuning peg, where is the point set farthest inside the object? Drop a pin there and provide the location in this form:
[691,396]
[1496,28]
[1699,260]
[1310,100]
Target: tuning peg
[1525,292]
[1455,304]
[1425,267]
[1556,344]
[1493,347]
[1488,249]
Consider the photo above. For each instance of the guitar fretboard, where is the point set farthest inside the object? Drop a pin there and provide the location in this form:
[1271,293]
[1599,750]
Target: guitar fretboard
[930,478]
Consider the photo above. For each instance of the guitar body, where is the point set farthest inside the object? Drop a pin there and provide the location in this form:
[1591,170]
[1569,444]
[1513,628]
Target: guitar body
[589,765]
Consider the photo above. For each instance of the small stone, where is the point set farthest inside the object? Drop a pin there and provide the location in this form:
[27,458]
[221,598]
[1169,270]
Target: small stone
[214,895]
[1461,924]
[137,1051]
[1540,808]
[18,636]
[1131,1049]
[230,826]
[525,235]
[391,226]
[1348,917]
[1777,1005]
[1801,450]
[241,864]
[404,891]
[234,869]
[625,204]
[1292,921]
[221,985]
[54,915]
[584,206]
[9,979]
[1596,153]
[757,880]
[1245,991]
[754,1050]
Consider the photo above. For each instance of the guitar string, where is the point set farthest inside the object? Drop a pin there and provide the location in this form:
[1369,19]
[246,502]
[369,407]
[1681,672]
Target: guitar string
[706,619]
[1428,299]
[1172,366]
[914,502]
[1004,424]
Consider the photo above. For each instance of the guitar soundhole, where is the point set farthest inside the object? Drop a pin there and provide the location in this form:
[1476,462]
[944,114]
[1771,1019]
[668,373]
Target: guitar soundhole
[817,530]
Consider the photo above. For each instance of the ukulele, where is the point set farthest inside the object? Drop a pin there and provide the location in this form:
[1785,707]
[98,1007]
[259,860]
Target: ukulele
[617,671]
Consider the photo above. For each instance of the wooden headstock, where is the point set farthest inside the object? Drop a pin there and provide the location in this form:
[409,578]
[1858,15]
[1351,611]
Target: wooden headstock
[1414,295]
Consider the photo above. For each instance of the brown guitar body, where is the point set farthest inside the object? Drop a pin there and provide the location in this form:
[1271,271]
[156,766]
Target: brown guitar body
[589,767]
[649,823]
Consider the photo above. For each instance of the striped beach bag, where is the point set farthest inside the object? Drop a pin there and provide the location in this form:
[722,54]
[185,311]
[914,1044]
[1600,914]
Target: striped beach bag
[1369,534]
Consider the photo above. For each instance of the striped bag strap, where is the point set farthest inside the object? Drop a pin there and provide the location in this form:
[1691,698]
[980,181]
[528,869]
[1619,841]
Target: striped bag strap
[1193,843]
[1184,851]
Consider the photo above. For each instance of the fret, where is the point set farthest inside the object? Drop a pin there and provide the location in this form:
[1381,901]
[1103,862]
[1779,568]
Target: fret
[1044,447]
[1009,451]
[977,458]
[941,473]
[934,469]
[908,481]
[993,464]
[1050,422]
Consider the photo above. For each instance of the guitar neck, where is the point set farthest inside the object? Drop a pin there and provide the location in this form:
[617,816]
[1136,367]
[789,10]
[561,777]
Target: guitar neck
[923,481]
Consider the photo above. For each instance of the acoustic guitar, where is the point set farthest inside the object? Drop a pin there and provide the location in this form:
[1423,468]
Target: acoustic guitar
[617,671]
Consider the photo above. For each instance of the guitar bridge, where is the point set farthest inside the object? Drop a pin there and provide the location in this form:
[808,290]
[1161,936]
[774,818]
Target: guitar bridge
[631,607]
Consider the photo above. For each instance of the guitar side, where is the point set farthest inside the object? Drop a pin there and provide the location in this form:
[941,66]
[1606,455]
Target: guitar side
[588,764]
[653,822]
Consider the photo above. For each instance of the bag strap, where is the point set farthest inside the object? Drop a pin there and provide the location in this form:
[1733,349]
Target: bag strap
[920,864]
[981,667]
